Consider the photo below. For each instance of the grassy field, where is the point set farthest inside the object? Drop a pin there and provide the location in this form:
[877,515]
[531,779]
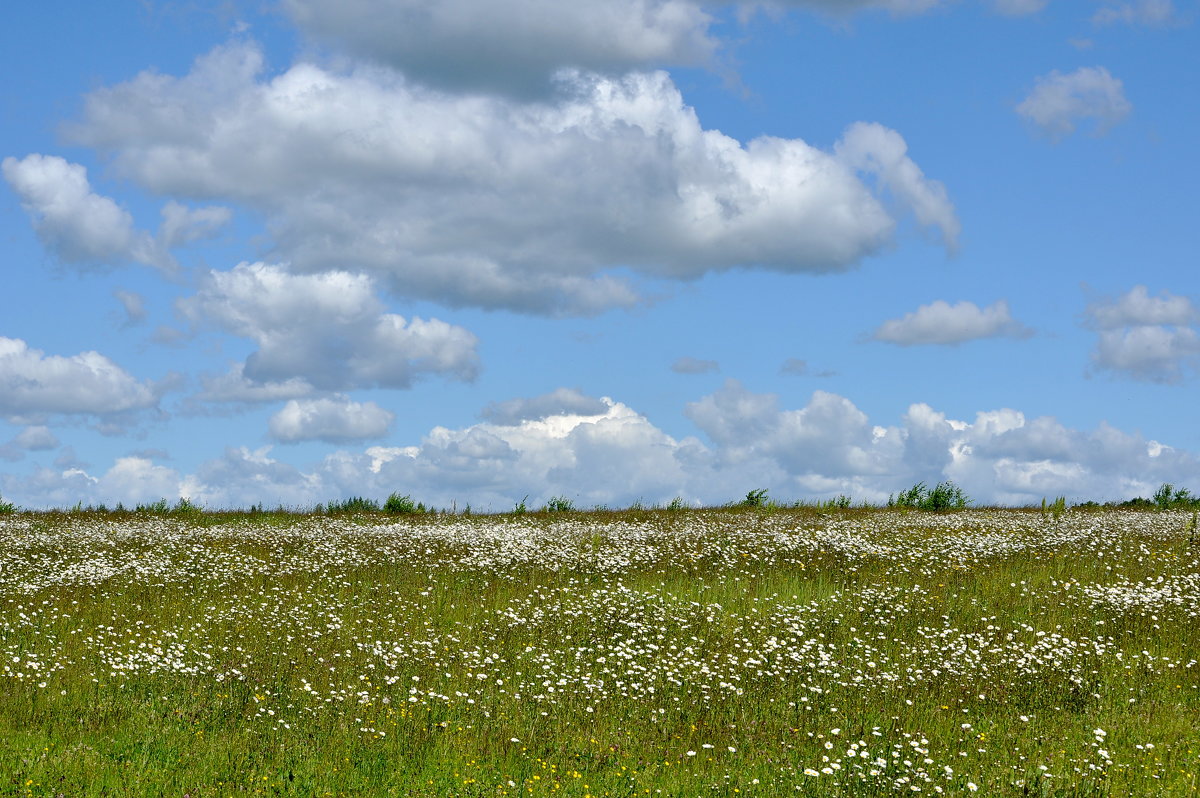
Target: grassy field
[719,652]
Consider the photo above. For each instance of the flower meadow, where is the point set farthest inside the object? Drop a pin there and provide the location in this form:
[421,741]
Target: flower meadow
[720,652]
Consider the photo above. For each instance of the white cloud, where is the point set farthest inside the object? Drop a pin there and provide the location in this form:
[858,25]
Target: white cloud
[1137,307]
[515,46]
[75,224]
[882,152]
[942,323]
[615,455]
[334,420]
[1150,353]
[235,386]
[1139,12]
[34,385]
[691,365]
[79,226]
[328,330]
[560,402]
[1059,102]
[1145,338]
[493,202]
[36,439]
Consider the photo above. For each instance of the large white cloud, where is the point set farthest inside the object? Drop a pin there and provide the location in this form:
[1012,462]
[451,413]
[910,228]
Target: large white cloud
[1144,337]
[334,420]
[607,453]
[513,46]
[493,202]
[1059,102]
[34,385]
[942,323]
[327,330]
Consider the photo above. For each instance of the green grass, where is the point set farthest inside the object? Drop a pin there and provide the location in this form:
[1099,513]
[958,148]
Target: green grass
[608,653]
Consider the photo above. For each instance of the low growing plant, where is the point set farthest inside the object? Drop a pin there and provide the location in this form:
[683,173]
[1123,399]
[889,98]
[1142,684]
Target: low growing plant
[559,504]
[402,505]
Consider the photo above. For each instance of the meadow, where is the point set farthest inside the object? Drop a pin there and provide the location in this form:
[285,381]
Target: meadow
[754,650]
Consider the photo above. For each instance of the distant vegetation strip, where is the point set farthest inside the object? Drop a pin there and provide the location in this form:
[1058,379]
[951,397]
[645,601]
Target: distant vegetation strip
[944,496]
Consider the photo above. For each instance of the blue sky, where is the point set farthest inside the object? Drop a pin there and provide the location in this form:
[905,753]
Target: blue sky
[293,251]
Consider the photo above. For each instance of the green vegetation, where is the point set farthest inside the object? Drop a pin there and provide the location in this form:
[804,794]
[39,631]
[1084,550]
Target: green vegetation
[7,507]
[559,504]
[715,652]
[402,505]
[945,496]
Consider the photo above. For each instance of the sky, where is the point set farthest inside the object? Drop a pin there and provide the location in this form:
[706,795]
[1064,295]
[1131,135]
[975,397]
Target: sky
[486,251]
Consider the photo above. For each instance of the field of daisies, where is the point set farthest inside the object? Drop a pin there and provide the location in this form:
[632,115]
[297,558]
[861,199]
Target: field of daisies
[677,653]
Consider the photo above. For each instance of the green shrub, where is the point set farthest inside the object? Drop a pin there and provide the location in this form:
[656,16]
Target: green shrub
[402,505]
[945,496]
[1168,497]
[521,508]
[677,504]
[755,498]
[7,507]
[559,504]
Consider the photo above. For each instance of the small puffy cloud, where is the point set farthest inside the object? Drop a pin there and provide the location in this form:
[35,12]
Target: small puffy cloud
[36,439]
[74,223]
[1138,12]
[1059,102]
[33,384]
[79,226]
[1149,352]
[333,420]
[512,47]
[134,305]
[497,202]
[1144,337]
[328,330]
[691,365]
[1137,307]
[560,402]
[883,153]
[942,323]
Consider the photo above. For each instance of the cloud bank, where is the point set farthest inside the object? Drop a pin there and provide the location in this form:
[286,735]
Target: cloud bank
[599,451]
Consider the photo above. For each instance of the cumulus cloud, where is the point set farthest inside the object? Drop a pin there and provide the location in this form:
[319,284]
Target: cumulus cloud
[879,151]
[942,323]
[1139,12]
[36,439]
[74,223]
[79,226]
[1145,338]
[34,385]
[1136,308]
[494,202]
[615,455]
[511,47]
[560,402]
[327,330]
[1059,102]
[333,420]
[691,365]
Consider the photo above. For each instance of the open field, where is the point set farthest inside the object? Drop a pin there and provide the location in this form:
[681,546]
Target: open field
[719,652]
